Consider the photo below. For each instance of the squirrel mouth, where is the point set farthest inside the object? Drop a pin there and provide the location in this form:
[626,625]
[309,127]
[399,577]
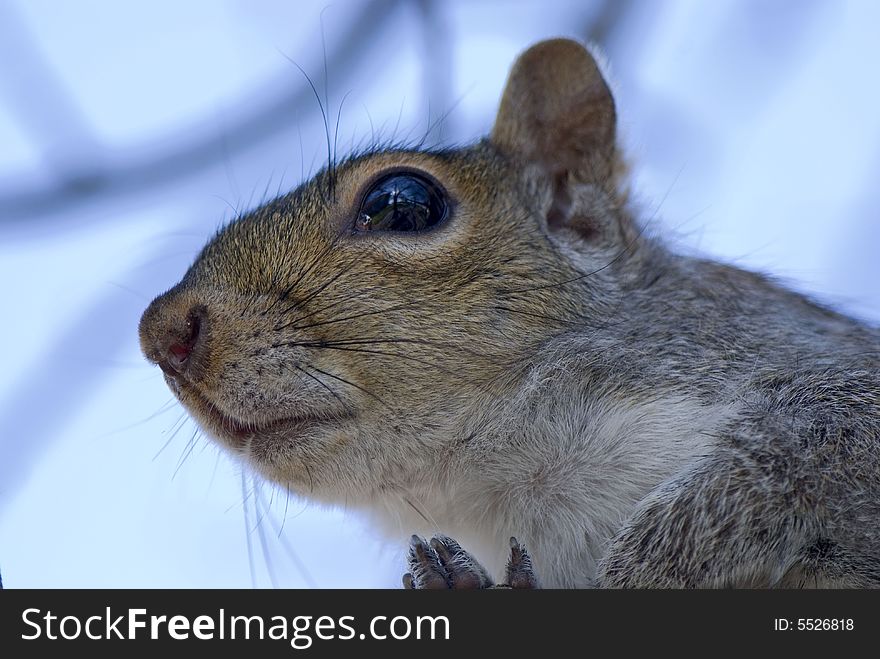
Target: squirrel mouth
[236,431]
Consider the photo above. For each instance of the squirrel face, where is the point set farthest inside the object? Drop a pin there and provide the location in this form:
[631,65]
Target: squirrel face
[341,337]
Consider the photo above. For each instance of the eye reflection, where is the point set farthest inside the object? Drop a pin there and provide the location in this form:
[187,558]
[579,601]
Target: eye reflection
[401,202]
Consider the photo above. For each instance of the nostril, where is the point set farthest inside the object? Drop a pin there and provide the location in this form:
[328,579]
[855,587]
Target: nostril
[182,346]
[179,352]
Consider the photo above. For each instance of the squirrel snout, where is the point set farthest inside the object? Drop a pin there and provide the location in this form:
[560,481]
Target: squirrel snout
[176,338]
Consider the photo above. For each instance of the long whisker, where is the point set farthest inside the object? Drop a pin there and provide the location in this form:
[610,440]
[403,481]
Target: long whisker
[440,119]
[214,471]
[264,545]
[342,271]
[628,245]
[167,407]
[363,293]
[336,138]
[320,103]
[247,530]
[181,421]
[311,266]
[419,512]
[331,154]
[300,276]
[395,307]
[446,345]
[373,352]
[188,449]
[304,572]
[351,384]
[322,384]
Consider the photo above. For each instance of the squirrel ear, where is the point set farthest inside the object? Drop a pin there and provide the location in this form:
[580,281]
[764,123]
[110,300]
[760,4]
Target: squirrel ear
[558,112]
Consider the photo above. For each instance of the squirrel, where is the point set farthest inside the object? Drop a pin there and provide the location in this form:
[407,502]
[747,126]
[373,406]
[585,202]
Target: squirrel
[485,343]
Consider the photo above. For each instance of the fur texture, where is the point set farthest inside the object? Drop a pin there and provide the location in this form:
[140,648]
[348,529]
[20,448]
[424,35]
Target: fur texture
[536,366]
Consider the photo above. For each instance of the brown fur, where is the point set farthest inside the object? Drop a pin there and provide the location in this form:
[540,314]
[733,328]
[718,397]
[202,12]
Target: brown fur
[537,366]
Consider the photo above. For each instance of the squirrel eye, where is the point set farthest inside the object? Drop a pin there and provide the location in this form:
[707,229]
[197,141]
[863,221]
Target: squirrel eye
[402,202]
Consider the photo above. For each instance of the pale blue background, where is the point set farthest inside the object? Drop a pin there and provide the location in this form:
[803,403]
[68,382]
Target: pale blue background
[129,131]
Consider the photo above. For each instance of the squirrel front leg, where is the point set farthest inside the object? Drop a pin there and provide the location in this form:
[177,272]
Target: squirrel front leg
[729,522]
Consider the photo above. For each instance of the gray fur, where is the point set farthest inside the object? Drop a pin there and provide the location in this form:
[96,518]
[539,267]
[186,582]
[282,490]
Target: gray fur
[540,367]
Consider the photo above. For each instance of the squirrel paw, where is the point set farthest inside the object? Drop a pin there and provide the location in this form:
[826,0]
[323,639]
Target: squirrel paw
[443,564]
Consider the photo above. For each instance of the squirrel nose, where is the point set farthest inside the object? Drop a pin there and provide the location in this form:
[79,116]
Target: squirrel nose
[175,338]
[181,345]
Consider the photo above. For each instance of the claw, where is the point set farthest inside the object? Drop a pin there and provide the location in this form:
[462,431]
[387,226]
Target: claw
[520,573]
[442,564]
[463,570]
[424,566]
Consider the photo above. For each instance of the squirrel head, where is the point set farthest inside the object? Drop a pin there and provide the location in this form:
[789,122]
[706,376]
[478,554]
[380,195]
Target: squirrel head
[344,337]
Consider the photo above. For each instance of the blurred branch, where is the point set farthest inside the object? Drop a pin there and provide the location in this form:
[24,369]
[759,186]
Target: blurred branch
[437,70]
[39,101]
[606,21]
[51,376]
[118,176]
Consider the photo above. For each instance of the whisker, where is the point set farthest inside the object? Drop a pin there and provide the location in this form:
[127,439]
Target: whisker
[341,300]
[167,407]
[264,546]
[265,196]
[410,499]
[281,180]
[432,125]
[317,98]
[331,156]
[302,157]
[303,274]
[214,471]
[188,449]
[446,345]
[305,465]
[372,128]
[318,291]
[286,506]
[247,530]
[584,275]
[323,384]
[304,572]
[351,384]
[374,352]
[419,512]
[181,420]
[395,307]
[336,136]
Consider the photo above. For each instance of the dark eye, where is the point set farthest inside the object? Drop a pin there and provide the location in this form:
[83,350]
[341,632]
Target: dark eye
[402,202]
